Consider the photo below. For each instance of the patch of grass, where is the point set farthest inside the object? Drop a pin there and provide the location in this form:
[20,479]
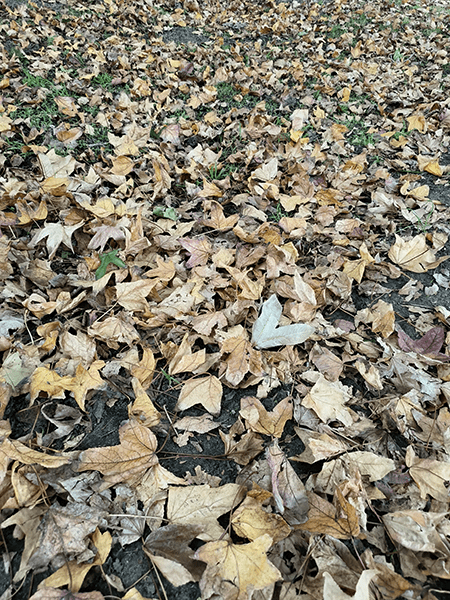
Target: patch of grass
[225,92]
[221,172]
[336,31]
[103,80]
[278,213]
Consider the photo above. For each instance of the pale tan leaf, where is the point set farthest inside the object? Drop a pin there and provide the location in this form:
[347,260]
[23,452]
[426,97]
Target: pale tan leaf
[206,391]
[245,566]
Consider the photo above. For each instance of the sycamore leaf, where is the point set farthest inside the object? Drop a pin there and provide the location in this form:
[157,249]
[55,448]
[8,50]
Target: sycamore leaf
[202,504]
[105,260]
[127,461]
[414,255]
[266,334]
[430,343]
[258,419]
[218,220]
[244,566]
[56,235]
[206,391]
[199,249]
[103,234]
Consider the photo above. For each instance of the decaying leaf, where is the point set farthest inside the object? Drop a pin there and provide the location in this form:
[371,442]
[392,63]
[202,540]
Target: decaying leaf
[267,334]
[127,461]
[414,255]
[235,570]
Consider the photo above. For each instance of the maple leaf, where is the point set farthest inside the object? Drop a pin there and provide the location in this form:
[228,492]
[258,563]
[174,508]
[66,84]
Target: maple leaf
[266,334]
[324,518]
[258,419]
[56,235]
[429,344]
[106,259]
[234,571]
[206,391]
[202,504]
[127,461]
[103,234]
[414,255]
[200,250]
[217,219]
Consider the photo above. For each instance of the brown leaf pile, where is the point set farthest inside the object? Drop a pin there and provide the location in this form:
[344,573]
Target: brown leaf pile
[165,170]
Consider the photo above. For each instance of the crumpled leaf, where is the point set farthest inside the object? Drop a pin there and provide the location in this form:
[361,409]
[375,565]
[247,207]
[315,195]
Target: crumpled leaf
[234,571]
[414,255]
[267,334]
[73,573]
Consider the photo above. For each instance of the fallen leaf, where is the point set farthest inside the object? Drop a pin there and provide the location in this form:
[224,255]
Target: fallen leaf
[258,419]
[203,505]
[127,461]
[206,391]
[414,255]
[266,334]
[243,567]
[56,235]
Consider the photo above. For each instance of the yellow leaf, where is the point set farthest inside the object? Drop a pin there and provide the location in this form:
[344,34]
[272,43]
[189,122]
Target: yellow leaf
[245,566]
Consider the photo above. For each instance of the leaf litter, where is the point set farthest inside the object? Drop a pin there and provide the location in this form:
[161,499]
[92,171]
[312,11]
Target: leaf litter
[225,318]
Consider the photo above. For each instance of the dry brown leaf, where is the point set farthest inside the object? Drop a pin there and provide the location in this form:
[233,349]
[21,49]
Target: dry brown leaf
[127,461]
[234,571]
[430,475]
[414,255]
[339,521]
[143,409]
[217,219]
[145,368]
[74,573]
[206,391]
[250,520]
[258,419]
[241,446]
[201,504]
[328,399]
[242,358]
[185,360]
[287,488]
